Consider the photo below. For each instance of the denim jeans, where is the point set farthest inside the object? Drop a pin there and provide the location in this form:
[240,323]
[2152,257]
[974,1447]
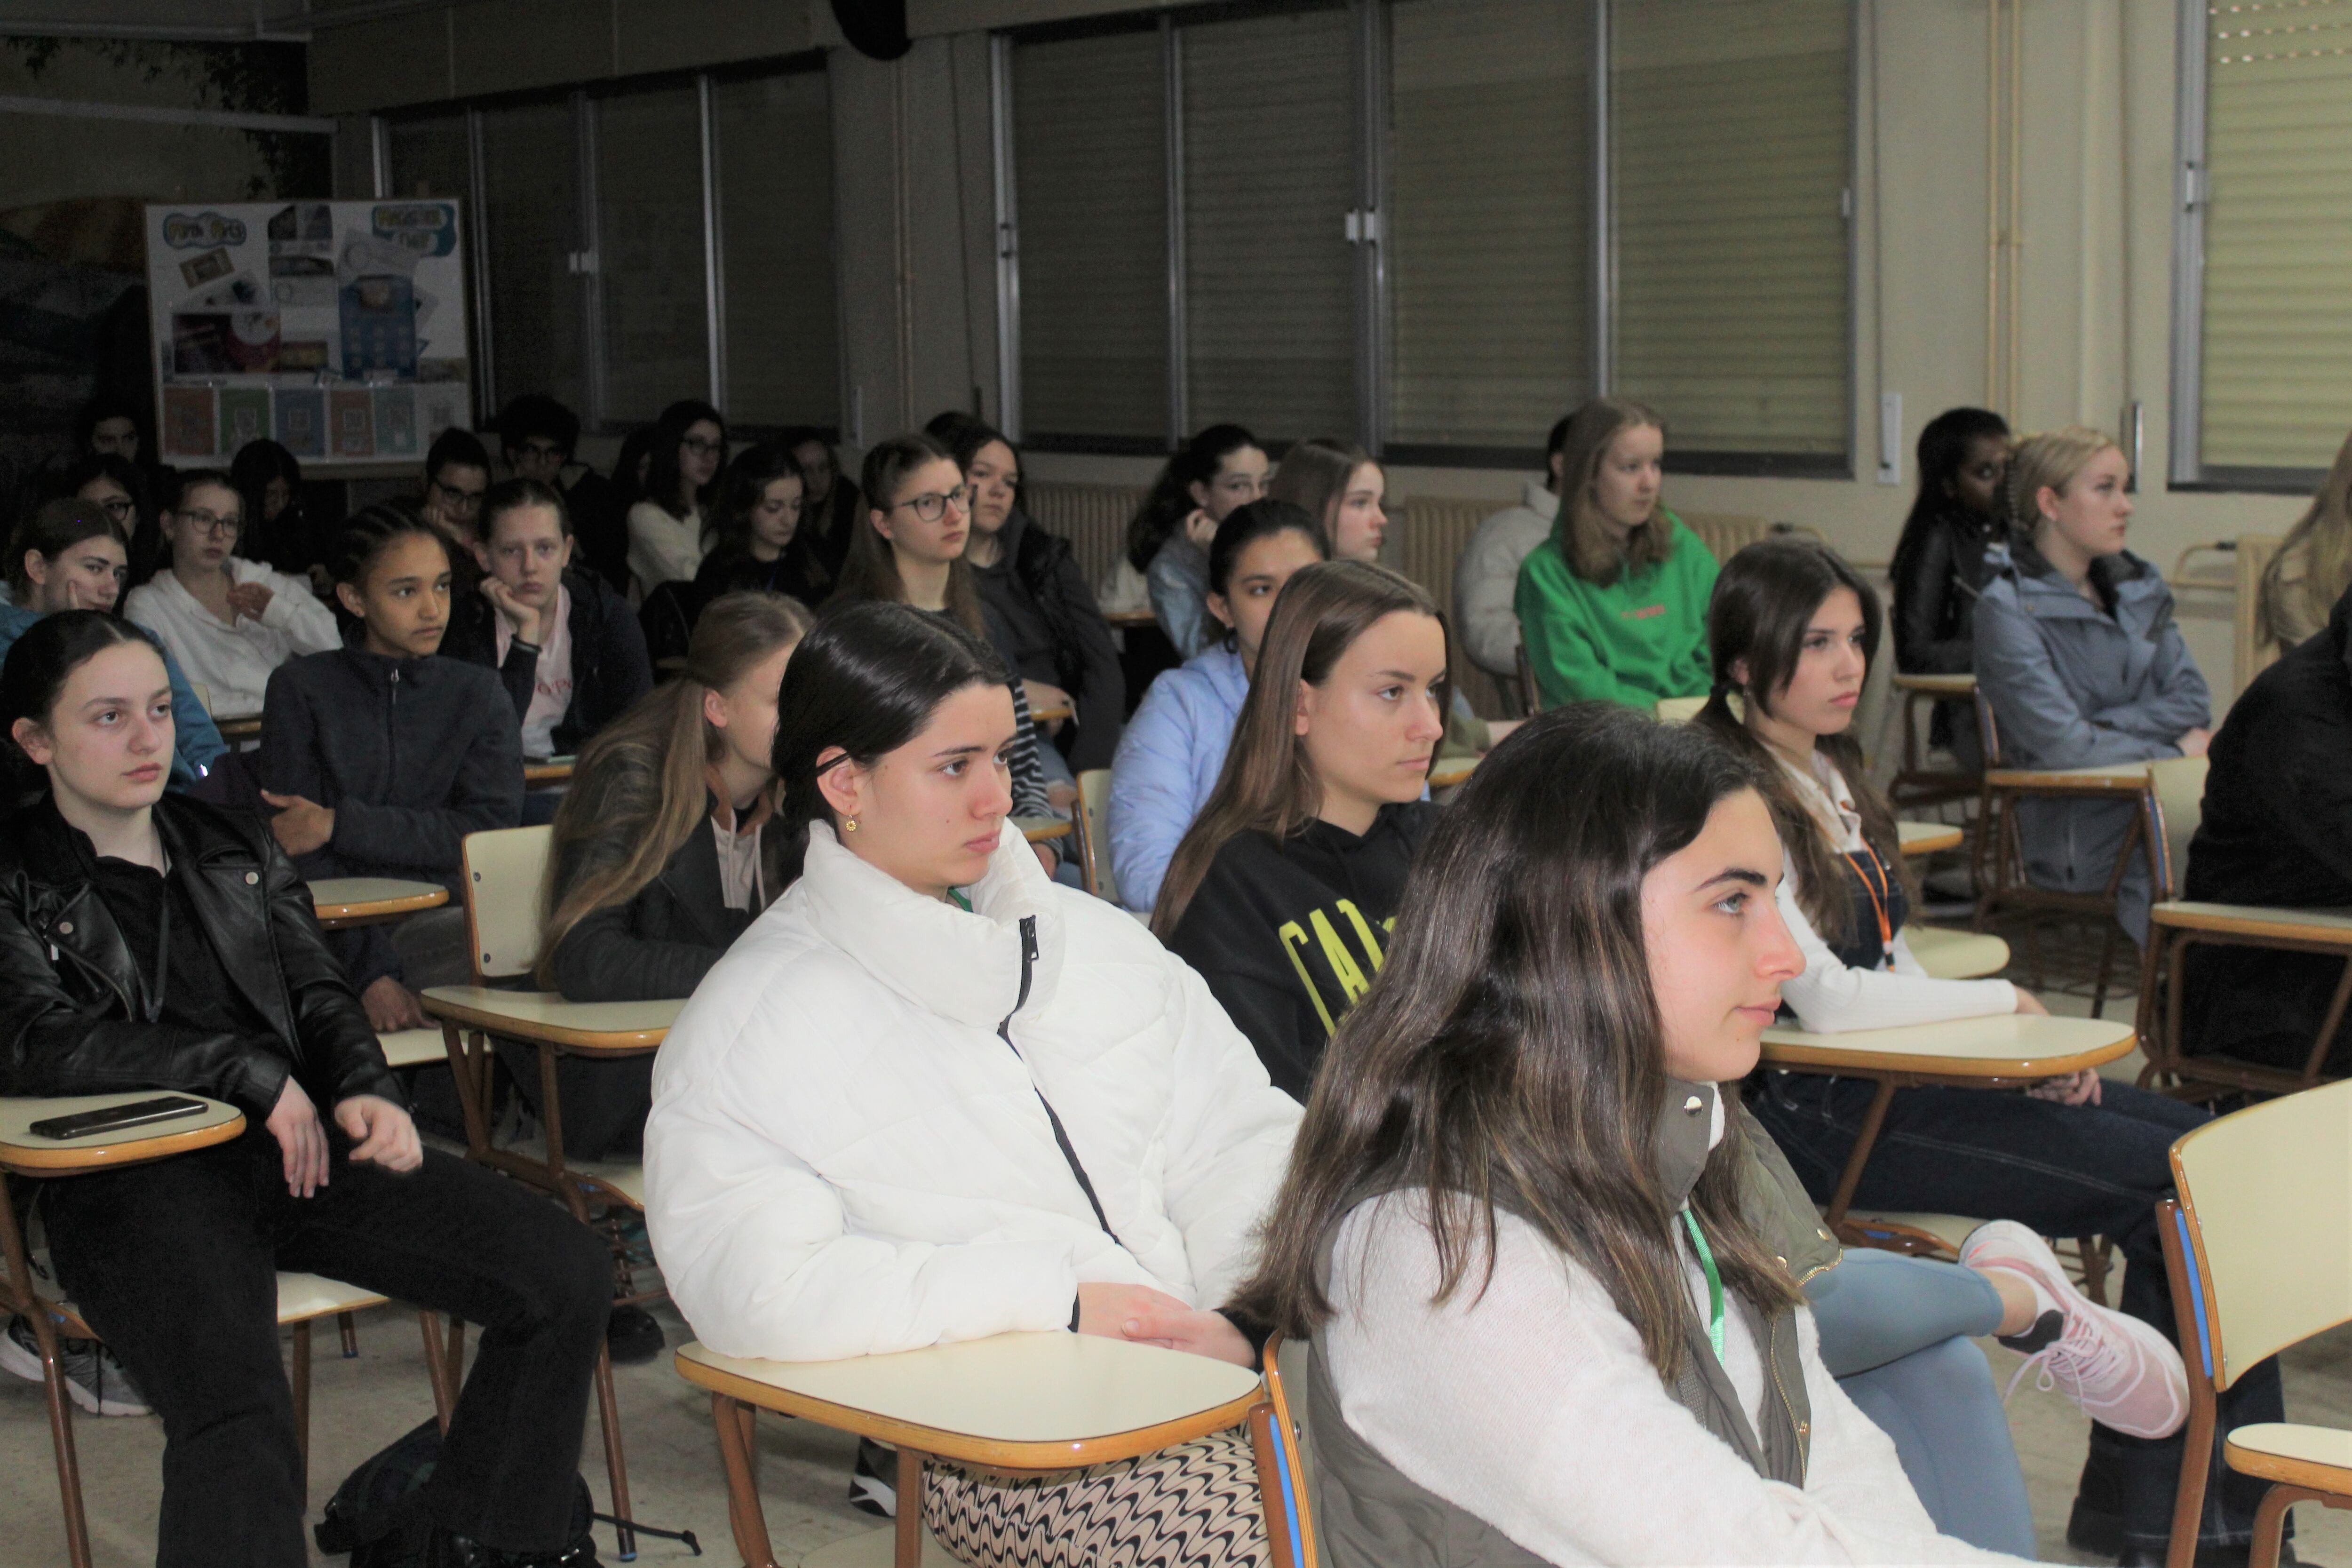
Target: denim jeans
[174,1264]
[1895,1334]
[2063,1170]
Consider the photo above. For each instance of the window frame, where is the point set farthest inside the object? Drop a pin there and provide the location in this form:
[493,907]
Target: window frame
[1365,219]
[586,216]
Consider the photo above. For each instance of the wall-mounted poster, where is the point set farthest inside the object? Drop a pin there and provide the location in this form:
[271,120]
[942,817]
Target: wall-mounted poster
[311,323]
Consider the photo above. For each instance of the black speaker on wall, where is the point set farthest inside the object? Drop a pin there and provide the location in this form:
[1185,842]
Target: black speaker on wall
[875,28]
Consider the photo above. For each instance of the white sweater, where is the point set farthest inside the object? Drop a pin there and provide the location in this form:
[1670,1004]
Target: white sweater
[662,548]
[1486,578]
[844,1159]
[1830,997]
[233,662]
[1532,1405]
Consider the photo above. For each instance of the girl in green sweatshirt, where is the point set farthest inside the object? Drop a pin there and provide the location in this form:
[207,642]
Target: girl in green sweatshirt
[1613,606]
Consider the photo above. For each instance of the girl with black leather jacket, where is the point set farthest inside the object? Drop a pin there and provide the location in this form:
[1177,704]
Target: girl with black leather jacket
[150,941]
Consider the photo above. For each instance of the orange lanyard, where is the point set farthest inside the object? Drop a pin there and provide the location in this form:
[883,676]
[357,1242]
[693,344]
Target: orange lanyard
[1879,894]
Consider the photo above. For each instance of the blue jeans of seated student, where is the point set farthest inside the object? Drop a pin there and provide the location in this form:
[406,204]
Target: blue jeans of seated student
[174,1263]
[2063,1170]
[1895,1334]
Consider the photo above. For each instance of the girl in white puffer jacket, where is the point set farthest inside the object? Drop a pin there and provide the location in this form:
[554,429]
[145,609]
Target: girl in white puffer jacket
[931,1096]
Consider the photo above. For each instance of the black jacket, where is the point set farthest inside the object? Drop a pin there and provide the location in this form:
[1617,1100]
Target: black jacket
[1939,568]
[600,521]
[1043,619]
[662,941]
[834,523]
[1288,934]
[72,992]
[2277,830]
[609,668]
[729,569]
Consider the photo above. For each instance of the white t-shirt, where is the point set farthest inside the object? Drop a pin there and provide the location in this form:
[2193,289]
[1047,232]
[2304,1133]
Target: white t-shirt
[550,697]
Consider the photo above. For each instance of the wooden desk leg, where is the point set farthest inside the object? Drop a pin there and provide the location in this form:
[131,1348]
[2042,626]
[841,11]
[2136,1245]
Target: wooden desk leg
[910,1509]
[1851,1177]
[733,1418]
[53,1383]
[436,1369]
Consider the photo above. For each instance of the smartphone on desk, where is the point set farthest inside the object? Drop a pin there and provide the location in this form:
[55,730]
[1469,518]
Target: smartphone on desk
[117,1118]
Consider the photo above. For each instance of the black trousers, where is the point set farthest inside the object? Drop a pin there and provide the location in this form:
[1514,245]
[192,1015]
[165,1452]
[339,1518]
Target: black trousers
[174,1265]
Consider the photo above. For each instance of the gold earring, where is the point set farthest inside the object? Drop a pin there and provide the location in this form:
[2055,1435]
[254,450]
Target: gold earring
[849,824]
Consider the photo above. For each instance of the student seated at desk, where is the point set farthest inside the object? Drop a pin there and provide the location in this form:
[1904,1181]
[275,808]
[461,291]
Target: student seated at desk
[1282,892]
[72,554]
[2277,830]
[933,1096]
[1168,539]
[666,848]
[760,542]
[1613,606]
[2080,655]
[1174,747]
[229,620]
[379,758]
[1939,561]
[1793,629]
[192,963]
[567,648]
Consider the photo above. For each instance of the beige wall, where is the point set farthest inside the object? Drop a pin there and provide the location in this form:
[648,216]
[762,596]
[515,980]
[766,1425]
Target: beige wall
[56,158]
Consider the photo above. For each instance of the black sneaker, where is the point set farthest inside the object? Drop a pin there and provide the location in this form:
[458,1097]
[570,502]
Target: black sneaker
[94,1379]
[874,1481]
[633,1336]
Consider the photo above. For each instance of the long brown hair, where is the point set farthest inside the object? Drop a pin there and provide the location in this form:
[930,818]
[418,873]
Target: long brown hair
[1577,529]
[1268,784]
[1314,474]
[871,570]
[2323,534]
[1764,598]
[1510,1050]
[639,787]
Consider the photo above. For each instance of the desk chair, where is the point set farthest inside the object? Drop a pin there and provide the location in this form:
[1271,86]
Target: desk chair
[505,882]
[1999,865]
[2176,925]
[1094,833]
[1914,783]
[1286,1459]
[2258,1247]
[1531,694]
[1679,709]
[302,1298]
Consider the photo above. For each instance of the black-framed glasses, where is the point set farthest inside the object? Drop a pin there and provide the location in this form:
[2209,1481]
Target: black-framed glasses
[932,507]
[460,501]
[120,508]
[211,523]
[701,447]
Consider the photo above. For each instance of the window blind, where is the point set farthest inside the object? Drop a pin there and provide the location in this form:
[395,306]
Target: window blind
[1269,129]
[775,188]
[1489,215]
[649,194]
[2277,371]
[1731,156]
[427,158]
[529,205]
[1090,196]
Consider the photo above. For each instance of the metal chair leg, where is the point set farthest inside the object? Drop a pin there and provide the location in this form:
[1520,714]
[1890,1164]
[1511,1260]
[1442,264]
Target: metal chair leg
[348,1324]
[20,1296]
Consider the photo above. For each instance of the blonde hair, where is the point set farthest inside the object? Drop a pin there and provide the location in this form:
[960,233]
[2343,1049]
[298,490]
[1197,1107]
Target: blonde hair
[2321,544]
[2048,461]
[1591,554]
[639,785]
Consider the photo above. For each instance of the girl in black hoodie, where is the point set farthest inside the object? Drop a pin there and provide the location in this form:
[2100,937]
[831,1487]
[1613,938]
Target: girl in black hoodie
[1282,892]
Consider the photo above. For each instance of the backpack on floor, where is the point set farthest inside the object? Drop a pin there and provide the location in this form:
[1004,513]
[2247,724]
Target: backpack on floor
[374,1514]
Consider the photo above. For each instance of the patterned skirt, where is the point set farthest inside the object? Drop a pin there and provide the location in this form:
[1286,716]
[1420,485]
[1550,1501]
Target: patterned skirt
[1193,1506]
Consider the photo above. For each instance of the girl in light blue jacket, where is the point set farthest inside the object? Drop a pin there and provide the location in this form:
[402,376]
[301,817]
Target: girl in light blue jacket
[1174,747]
[2078,651]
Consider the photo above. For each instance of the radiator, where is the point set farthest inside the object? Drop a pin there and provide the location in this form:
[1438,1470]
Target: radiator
[1093,518]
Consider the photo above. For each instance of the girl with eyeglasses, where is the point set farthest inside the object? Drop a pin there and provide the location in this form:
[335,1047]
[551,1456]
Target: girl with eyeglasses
[69,555]
[669,528]
[909,550]
[122,488]
[229,620]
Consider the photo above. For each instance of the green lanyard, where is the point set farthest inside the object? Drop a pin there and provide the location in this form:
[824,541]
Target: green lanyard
[962,903]
[1713,1284]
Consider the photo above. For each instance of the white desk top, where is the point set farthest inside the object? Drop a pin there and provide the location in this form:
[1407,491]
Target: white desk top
[2005,1046]
[545,1015]
[1049,1388]
[1927,838]
[354,900]
[21,1149]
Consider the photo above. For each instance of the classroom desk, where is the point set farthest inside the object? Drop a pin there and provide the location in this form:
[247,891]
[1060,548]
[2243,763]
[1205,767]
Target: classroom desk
[1051,713]
[240,728]
[548,771]
[1019,1402]
[1045,829]
[1452,771]
[1129,617]
[2003,1051]
[1956,687]
[25,1153]
[370,901]
[1927,838]
[2099,778]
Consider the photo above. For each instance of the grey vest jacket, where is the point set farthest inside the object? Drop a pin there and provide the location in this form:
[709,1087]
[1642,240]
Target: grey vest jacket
[1367,1514]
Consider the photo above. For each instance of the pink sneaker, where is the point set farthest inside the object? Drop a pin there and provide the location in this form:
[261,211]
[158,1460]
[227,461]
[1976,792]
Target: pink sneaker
[2120,1370]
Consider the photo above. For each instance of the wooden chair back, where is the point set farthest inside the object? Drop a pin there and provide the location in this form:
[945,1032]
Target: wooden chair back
[1284,1459]
[1531,694]
[1093,839]
[506,899]
[1679,709]
[2178,784]
[2266,1226]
